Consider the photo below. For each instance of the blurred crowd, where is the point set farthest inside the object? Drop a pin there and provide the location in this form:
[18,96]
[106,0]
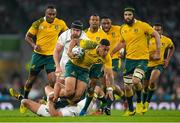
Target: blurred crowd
[17,16]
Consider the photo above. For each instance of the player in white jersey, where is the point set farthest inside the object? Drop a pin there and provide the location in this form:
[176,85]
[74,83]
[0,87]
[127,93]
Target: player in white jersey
[49,109]
[63,44]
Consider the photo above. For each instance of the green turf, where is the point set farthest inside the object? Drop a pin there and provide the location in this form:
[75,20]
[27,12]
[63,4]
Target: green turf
[150,116]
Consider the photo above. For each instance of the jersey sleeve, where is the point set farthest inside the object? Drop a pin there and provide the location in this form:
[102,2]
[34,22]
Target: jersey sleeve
[108,61]
[64,26]
[35,26]
[88,44]
[170,43]
[147,28]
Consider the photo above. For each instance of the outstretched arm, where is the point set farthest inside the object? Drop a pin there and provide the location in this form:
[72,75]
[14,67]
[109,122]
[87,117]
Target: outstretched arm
[119,46]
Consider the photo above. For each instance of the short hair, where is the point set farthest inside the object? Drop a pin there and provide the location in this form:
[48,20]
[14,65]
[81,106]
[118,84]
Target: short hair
[131,9]
[77,24]
[158,24]
[94,14]
[50,7]
[105,17]
[105,42]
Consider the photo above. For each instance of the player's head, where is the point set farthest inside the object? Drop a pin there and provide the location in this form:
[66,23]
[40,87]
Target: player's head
[106,23]
[76,28]
[129,14]
[50,13]
[159,28]
[103,47]
[94,21]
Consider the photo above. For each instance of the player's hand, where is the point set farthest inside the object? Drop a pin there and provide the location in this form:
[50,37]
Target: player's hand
[166,63]
[109,93]
[51,97]
[58,71]
[36,48]
[157,55]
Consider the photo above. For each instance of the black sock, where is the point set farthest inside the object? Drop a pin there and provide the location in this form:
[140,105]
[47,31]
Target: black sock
[88,101]
[103,100]
[20,97]
[109,102]
[150,94]
[26,93]
[138,93]
[130,103]
[123,98]
[144,97]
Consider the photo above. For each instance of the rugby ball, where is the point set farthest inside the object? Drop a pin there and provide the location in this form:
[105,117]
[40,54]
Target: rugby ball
[78,51]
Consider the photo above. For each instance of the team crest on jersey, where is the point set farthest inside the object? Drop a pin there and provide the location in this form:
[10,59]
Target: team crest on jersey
[97,38]
[113,34]
[163,44]
[56,27]
[135,30]
[99,60]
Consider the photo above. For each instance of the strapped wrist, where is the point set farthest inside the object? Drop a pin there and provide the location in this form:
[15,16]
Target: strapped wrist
[109,89]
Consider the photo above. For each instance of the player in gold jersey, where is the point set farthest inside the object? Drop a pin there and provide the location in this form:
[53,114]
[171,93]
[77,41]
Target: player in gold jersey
[113,33]
[96,34]
[156,67]
[134,39]
[77,70]
[46,30]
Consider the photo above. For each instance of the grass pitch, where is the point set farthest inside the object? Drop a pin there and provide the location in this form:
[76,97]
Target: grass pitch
[150,116]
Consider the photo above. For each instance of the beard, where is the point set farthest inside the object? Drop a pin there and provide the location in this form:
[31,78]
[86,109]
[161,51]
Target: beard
[129,22]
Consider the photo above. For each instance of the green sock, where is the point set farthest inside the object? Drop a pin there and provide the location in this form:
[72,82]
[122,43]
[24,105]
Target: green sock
[130,103]
[26,93]
[150,94]
[144,97]
[138,93]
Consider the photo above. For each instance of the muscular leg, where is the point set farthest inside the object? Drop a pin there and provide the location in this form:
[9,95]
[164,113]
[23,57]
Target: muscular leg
[51,78]
[152,83]
[80,90]
[28,85]
[31,105]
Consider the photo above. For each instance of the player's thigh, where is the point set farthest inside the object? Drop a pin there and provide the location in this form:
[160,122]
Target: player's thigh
[43,111]
[70,84]
[80,89]
[96,71]
[31,105]
[155,75]
[49,64]
[37,63]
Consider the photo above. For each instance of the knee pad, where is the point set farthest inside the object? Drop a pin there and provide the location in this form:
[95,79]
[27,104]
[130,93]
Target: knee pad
[138,73]
[127,79]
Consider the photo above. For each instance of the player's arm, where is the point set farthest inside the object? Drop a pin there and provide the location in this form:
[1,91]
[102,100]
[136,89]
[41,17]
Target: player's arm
[72,44]
[158,42]
[52,111]
[57,57]
[118,47]
[109,76]
[29,39]
[169,55]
